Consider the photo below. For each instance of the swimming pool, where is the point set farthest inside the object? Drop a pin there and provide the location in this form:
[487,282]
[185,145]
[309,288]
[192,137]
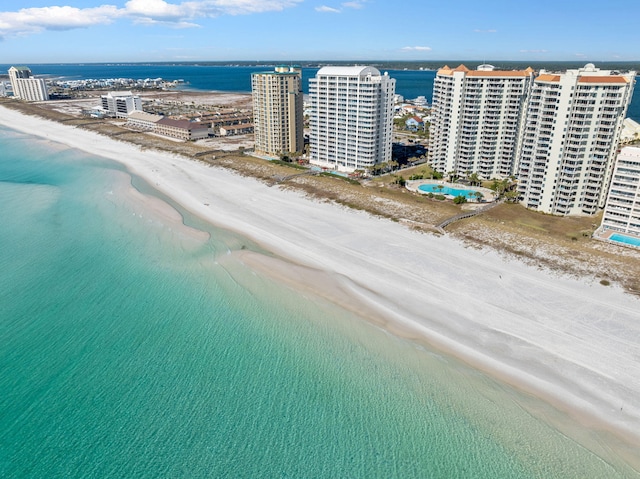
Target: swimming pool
[447,190]
[630,240]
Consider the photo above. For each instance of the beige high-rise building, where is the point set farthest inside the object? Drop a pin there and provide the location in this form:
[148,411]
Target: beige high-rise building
[278,111]
[25,86]
[574,120]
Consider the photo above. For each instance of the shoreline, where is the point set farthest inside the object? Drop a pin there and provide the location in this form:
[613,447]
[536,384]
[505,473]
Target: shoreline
[543,333]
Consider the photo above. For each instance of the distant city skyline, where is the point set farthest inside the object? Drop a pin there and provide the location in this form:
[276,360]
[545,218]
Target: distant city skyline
[42,31]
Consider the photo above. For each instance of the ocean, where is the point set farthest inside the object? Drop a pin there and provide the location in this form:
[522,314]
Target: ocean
[410,83]
[133,344]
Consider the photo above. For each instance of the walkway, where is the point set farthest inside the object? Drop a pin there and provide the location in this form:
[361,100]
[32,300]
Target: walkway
[467,214]
[279,179]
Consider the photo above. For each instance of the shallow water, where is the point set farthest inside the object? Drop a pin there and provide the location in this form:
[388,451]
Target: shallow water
[132,345]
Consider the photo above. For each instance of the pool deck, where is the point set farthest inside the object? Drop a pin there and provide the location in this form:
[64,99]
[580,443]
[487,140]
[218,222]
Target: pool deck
[488,195]
[605,235]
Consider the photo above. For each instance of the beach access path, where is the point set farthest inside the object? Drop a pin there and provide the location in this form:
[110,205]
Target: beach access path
[571,342]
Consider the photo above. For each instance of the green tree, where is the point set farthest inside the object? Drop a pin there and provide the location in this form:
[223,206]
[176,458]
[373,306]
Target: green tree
[460,199]
[512,196]
[474,180]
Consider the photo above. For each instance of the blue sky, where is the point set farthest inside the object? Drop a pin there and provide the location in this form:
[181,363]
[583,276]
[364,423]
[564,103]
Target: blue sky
[41,31]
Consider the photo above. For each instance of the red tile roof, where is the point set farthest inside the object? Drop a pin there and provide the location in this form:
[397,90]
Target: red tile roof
[603,79]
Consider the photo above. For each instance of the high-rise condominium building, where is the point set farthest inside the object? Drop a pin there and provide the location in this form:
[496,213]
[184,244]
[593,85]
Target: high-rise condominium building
[476,120]
[352,117]
[570,139]
[622,212]
[278,111]
[25,86]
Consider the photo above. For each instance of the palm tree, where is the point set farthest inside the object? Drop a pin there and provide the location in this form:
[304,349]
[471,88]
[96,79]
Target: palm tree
[474,180]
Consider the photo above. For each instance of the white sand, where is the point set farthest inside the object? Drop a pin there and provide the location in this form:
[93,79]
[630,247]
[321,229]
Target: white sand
[572,342]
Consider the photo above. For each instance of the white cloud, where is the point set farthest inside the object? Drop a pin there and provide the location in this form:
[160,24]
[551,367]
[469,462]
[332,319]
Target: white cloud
[419,49]
[325,9]
[491,30]
[357,4]
[581,55]
[33,20]
[534,51]
[157,9]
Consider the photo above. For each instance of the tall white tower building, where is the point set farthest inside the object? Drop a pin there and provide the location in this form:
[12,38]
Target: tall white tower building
[352,117]
[476,120]
[25,86]
[278,111]
[574,120]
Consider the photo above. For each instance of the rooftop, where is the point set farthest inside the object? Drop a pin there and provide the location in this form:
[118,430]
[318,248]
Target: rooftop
[348,71]
[485,71]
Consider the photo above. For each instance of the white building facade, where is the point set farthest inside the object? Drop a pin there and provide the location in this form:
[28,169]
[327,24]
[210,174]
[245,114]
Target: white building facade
[121,103]
[25,86]
[277,111]
[351,118]
[476,120]
[573,125]
[622,211]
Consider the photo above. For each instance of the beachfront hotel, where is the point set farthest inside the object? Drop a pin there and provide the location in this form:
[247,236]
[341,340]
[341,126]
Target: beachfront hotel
[278,111]
[573,125]
[476,120]
[120,104]
[622,212]
[25,86]
[351,117]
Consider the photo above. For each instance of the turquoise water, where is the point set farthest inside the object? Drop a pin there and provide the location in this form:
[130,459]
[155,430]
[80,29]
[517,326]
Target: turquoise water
[446,190]
[630,240]
[133,345]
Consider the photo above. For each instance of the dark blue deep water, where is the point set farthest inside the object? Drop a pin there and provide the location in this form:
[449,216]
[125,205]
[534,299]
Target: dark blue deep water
[410,83]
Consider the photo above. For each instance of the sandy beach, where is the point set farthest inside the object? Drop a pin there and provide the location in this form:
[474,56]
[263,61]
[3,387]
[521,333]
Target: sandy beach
[573,343]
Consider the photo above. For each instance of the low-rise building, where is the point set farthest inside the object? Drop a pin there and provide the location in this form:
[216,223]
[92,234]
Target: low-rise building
[622,211]
[630,131]
[233,130]
[143,121]
[182,129]
[415,123]
[229,119]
